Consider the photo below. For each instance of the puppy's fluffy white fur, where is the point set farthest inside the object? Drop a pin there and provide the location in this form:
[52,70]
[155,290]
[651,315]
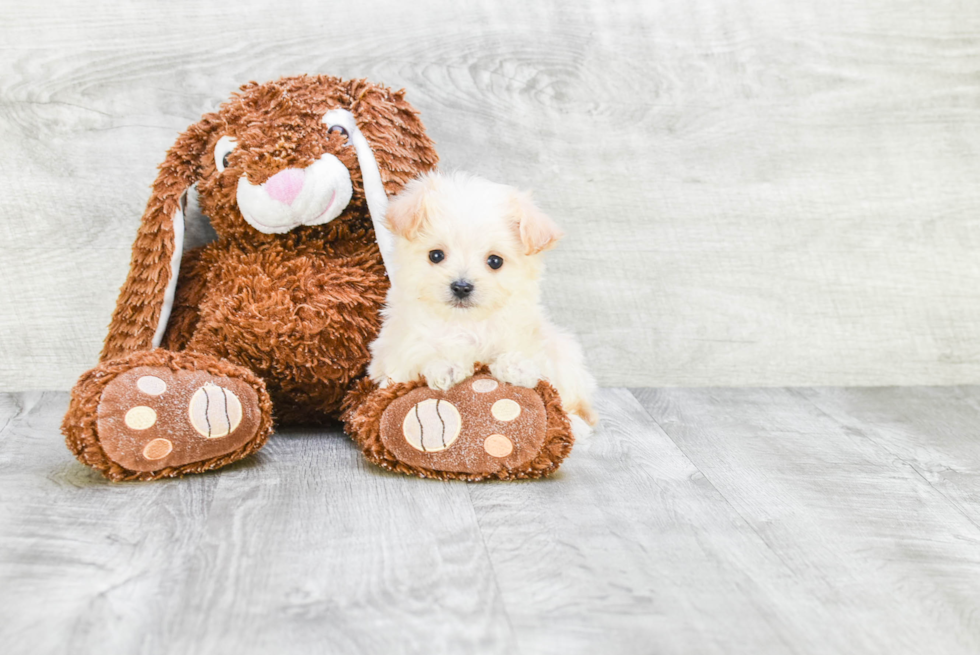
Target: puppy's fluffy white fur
[428,330]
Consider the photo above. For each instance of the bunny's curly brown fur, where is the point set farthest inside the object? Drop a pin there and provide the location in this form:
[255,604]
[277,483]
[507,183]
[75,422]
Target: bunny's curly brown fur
[297,309]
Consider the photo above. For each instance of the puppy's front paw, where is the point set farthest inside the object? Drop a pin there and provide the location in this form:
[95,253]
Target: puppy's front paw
[442,374]
[516,369]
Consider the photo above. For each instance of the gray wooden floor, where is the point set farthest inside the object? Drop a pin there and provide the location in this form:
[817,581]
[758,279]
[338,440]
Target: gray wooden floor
[694,521]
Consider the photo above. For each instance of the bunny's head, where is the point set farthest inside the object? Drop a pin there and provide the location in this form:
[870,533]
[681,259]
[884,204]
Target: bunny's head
[303,156]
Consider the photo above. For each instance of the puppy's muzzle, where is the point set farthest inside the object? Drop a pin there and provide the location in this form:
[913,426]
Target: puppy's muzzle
[461,289]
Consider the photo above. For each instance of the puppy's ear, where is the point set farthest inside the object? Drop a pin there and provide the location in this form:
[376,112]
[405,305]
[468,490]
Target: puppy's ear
[409,211]
[538,232]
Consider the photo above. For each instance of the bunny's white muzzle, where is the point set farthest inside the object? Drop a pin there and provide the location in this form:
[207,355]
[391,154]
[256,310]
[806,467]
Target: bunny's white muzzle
[292,197]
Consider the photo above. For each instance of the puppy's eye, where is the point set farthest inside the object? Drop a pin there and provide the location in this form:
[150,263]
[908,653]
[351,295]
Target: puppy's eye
[337,129]
[222,149]
[436,256]
[495,261]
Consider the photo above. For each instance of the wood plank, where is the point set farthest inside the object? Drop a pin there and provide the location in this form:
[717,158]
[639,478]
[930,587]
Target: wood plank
[892,566]
[932,430]
[299,547]
[85,565]
[753,192]
[630,549]
[710,521]
[316,549]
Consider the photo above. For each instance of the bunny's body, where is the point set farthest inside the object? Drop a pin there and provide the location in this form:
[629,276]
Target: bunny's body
[277,310]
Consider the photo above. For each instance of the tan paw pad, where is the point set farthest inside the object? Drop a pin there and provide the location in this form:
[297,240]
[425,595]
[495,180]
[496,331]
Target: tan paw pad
[151,385]
[158,449]
[140,417]
[505,409]
[497,445]
[484,385]
[432,425]
[214,411]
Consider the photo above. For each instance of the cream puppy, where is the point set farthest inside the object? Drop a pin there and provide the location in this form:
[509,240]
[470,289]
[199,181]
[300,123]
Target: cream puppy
[464,289]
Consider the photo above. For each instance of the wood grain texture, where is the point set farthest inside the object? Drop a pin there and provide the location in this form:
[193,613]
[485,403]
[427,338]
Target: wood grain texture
[886,561]
[316,550]
[303,547]
[85,564]
[754,193]
[630,549]
[755,521]
[931,431]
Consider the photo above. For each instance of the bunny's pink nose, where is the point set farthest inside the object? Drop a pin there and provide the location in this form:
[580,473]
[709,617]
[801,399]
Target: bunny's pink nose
[285,185]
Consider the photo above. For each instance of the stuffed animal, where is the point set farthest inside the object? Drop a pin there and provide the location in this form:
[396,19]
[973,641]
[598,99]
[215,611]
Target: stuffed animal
[274,317]
[480,429]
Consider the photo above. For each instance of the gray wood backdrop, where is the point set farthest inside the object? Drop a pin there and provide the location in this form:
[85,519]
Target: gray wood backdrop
[755,192]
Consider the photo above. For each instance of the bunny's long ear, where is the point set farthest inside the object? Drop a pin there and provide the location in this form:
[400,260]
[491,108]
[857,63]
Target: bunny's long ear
[392,148]
[146,298]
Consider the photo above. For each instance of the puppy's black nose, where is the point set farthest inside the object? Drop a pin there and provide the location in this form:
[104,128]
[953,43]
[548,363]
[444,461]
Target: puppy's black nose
[461,288]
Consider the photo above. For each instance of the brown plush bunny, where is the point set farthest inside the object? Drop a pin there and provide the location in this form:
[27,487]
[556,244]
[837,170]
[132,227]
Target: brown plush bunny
[279,310]
[275,316]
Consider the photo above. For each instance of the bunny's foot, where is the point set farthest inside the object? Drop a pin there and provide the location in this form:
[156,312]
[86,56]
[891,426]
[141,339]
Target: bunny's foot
[479,429]
[156,414]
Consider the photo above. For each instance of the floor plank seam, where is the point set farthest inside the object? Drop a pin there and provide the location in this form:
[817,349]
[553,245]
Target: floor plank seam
[798,392]
[493,568]
[949,501]
[712,484]
[21,411]
[3,428]
[17,414]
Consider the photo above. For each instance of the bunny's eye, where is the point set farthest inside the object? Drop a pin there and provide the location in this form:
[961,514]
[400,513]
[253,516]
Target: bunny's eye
[340,121]
[222,149]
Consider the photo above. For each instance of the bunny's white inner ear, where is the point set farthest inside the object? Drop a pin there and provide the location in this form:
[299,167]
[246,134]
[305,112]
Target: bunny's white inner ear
[197,226]
[374,188]
[168,295]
